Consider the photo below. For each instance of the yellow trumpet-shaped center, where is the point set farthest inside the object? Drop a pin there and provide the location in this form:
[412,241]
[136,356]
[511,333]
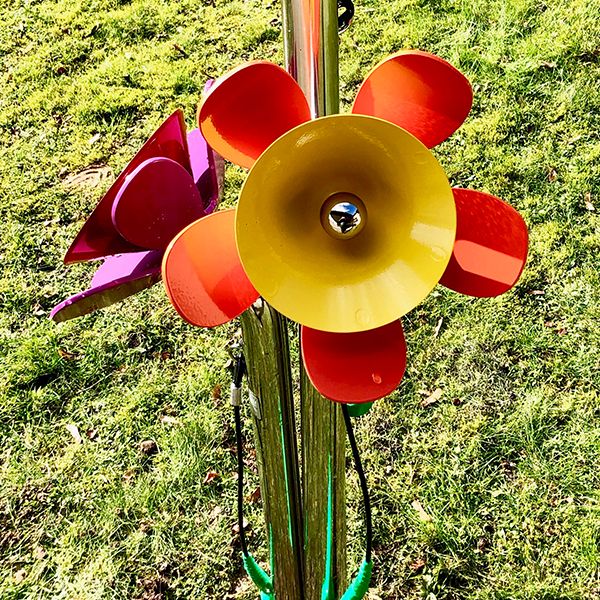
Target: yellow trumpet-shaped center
[345,223]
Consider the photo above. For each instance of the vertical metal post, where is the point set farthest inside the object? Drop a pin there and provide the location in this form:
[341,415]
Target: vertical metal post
[311,55]
[271,399]
[305,519]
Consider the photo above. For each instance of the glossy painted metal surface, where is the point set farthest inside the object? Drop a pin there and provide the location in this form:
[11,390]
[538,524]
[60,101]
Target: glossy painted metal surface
[373,278]
[490,250]
[98,237]
[117,278]
[310,29]
[355,367]
[249,108]
[419,92]
[157,200]
[343,215]
[207,170]
[203,275]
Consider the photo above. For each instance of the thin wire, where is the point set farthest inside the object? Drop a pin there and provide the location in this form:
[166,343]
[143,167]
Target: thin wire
[240,486]
[363,481]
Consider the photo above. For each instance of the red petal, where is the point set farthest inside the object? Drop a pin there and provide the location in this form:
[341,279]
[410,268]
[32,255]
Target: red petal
[203,274]
[98,236]
[249,108]
[155,203]
[490,248]
[355,367]
[418,91]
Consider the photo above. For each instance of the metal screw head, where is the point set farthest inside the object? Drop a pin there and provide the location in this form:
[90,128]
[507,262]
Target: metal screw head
[343,215]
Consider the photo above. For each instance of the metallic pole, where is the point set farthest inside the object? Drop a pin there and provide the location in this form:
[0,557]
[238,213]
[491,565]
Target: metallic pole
[311,56]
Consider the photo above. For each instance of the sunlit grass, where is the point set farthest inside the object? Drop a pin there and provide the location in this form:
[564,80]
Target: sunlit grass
[506,463]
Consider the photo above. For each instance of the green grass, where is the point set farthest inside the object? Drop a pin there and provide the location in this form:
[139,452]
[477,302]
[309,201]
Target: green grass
[506,463]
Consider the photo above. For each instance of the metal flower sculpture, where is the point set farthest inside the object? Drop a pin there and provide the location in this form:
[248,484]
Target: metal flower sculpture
[345,223]
[172,181]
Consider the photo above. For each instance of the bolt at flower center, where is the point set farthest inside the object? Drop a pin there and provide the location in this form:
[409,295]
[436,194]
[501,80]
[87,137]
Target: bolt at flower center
[343,215]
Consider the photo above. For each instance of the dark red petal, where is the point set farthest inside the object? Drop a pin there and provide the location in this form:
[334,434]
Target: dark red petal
[158,199]
[355,367]
[419,92]
[98,236]
[490,250]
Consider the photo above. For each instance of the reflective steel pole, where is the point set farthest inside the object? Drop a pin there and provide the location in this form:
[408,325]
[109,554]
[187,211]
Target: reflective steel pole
[311,57]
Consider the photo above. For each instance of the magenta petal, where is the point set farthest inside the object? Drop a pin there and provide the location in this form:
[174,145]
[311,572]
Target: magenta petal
[116,279]
[207,170]
[98,236]
[158,200]
[122,266]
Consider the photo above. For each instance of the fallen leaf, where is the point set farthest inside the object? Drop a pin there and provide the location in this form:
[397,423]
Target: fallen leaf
[66,355]
[423,515]
[91,434]
[129,476]
[588,202]
[552,174]
[74,431]
[90,177]
[536,292]
[438,327]
[39,553]
[169,420]
[216,392]
[210,477]
[236,528]
[148,447]
[432,398]
[61,70]
[95,138]
[216,512]
[20,575]
[417,565]
[180,50]
[254,497]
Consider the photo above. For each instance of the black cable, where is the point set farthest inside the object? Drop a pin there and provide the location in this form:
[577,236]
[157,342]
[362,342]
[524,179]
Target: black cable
[240,486]
[363,481]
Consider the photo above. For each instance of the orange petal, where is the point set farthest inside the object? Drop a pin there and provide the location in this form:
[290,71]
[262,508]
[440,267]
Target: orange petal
[418,91]
[249,108]
[490,248]
[203,274]
[355,367]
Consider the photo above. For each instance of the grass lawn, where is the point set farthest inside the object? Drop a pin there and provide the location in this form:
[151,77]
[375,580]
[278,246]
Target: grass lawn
[492,492]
